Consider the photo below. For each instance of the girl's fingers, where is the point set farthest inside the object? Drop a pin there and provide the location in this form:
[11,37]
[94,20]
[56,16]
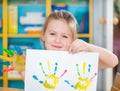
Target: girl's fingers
[78,46]
[73,46]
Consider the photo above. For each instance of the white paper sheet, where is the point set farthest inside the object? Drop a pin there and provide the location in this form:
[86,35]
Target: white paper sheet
[60,71]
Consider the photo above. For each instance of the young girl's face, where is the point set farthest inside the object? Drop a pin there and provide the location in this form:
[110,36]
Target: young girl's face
[58,36]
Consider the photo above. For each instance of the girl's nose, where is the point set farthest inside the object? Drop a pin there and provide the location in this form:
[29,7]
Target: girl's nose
[58,39]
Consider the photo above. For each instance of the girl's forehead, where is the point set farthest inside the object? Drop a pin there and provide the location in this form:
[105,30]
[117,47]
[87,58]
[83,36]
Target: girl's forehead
[59,24]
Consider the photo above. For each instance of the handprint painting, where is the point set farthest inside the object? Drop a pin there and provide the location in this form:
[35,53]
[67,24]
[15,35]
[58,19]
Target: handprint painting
[60,71]
[51,79]
[84,82]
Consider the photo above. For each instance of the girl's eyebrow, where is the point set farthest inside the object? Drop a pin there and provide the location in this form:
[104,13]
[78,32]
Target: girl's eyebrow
[67,34]
[51,30]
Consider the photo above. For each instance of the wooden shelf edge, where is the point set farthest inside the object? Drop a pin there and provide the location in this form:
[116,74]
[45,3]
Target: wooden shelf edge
[15,79]
[1,78]
[83,35]
[24,35]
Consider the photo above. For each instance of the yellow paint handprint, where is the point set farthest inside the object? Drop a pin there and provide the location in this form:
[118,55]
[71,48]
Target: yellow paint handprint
[83,82]
[51,80]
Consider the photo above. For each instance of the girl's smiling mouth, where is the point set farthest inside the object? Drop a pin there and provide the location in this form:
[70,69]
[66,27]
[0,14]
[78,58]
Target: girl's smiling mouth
[56,46]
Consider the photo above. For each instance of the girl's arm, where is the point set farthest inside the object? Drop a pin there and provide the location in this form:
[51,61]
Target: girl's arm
[106,58]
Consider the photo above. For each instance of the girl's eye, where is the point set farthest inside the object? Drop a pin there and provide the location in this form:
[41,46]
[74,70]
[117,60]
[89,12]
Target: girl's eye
[64,36]
[52,33]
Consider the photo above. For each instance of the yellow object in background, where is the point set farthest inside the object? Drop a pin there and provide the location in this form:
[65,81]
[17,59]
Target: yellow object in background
[12,19]
[10,59]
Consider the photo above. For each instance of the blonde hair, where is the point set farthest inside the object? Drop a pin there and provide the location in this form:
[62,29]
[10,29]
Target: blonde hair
[62,15]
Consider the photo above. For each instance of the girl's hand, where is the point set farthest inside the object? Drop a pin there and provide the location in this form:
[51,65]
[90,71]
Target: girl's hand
[78,46]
